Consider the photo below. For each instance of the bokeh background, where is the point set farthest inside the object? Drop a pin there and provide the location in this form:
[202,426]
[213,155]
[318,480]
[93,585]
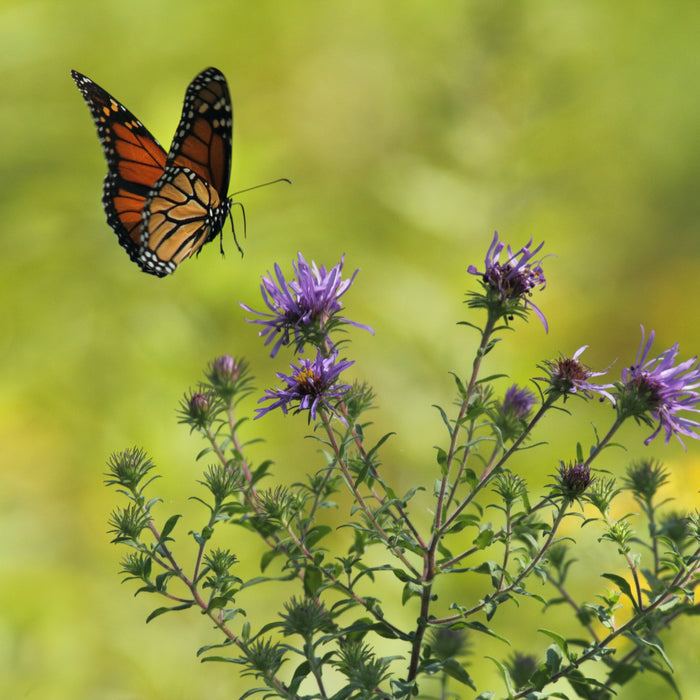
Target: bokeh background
[411,132]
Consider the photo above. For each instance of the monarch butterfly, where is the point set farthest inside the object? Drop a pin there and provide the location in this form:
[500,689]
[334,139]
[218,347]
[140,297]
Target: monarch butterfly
[165,207]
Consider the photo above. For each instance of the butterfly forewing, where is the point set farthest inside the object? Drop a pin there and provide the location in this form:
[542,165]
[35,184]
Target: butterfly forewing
[188,205]
[134,158]
[203,138]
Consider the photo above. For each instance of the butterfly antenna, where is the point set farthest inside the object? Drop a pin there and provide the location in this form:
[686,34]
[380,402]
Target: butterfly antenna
[264,184]
[239,204]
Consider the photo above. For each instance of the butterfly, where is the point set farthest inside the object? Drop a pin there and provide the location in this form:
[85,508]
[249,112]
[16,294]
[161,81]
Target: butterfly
[165,207]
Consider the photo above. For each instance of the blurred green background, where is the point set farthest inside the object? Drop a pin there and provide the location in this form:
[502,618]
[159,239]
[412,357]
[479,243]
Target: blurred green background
[411,131]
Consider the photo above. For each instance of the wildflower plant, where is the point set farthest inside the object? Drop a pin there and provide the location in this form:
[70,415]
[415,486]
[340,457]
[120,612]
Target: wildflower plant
[476,517]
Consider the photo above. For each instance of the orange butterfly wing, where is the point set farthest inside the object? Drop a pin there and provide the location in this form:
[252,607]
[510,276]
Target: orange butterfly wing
[187,207]
[135,162]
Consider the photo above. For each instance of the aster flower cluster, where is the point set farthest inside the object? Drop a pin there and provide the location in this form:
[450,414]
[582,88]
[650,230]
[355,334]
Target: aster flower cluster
[305,311]
[313,384]
[509,285]
[567,376]
[658,390]
[484,517]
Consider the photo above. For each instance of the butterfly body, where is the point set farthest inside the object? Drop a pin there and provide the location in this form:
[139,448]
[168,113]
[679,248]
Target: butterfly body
[165,207]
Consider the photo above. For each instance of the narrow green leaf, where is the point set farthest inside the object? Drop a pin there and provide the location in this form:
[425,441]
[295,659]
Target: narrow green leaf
[480,627]
[302,670]
[558,639]
[442,460]
[657,647]
[623,586]
[228,660]
[168,527]
[470,478]
[380,442]
[410,590]
[460,384]
[315,534]
[312,581]
[266,558]
[455,670]
[401,575]
[161,611]
[506,675]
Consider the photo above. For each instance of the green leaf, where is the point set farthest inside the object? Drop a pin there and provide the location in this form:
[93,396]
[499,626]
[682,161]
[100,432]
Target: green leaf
[485,536]
[168,527]
[402,575]
[460,384]
[470,478]
[560,641]
[205,451]
[586,687]
[209,647]
[250,693]
[445,419]
[315,534]
[623,586]
[506,675]
[462,521]
[220,602]
[456,670]
[260,472]
[490,607]
[657,647]
[442,460]
[480,627]
[622,673]
[161,581]
[343,693]
[312,580]
[410,590]
[540,677]
[380,442]
[161,611]
[302,670]
[491,568]
[266,558]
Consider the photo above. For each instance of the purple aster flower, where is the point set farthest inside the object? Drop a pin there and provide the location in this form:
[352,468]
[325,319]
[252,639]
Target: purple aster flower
[518,402]
[510,418]
[313,383]
[509,284]
[661,389]
[305,307]
[569,376]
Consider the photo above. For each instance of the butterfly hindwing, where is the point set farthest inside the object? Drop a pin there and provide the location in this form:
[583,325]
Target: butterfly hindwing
[165,207]
[182,213]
